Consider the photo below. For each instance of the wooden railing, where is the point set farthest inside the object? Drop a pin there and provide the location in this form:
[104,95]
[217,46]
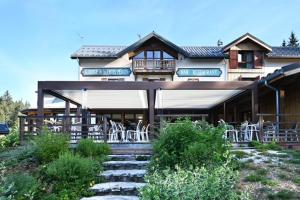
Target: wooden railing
[154,65]
[97,127]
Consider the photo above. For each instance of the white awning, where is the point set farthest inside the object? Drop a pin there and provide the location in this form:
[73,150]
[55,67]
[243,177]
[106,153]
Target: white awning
[108,99]
[199,99]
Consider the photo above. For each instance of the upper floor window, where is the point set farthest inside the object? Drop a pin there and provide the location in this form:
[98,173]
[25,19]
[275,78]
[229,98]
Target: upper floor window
[153,55]
[246,59]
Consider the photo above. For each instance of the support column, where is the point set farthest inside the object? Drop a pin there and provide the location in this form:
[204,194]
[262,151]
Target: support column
[254,102]
[67,118]
[224,111]
[78,113]
[40,109]
[151,108]
[84,123]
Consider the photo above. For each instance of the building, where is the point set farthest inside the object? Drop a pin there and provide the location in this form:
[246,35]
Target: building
[154,79]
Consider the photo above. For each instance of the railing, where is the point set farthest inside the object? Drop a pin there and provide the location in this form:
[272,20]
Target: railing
[169,65]
[287,129]
[97,128]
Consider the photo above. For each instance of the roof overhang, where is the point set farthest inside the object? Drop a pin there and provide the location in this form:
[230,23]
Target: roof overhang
[245,37]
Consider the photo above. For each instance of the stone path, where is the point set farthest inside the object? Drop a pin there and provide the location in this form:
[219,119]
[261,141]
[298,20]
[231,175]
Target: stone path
[123,176]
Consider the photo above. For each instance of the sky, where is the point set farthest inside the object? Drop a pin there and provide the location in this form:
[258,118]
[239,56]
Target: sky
[37,37]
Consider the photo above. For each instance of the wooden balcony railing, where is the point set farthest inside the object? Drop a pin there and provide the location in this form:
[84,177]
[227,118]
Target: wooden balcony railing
[154,66]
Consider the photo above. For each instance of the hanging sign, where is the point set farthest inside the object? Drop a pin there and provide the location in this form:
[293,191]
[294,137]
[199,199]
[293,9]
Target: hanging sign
[199,72]
[106,72]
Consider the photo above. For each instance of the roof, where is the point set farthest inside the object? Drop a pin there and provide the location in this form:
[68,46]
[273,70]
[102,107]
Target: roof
[284,52]
[146,38]
[282,72]
[247,36]
[112,52]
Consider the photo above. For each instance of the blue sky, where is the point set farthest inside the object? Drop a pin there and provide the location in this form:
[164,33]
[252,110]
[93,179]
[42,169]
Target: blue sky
[37,37]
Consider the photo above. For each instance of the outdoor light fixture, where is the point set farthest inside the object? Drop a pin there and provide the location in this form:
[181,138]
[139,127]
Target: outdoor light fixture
[84,98]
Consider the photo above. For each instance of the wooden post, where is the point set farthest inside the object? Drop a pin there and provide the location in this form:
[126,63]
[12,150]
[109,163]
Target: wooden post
[78,112]
[105,127]
[151,107]
[234,113]
[254,103]
[21,129]
[67,118]
[40,108]
[224,111]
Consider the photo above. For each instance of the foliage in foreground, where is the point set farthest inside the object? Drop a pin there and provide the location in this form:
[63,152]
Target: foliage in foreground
[10,140]
[70,175]
[187,144]
[50,145]
[88,148]
[265,146]
[200,184]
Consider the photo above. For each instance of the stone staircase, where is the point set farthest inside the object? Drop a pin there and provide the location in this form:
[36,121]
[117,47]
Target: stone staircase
[123,176]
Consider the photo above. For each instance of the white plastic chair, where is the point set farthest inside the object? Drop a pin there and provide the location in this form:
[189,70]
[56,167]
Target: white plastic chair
[244,131]
[113,132]
[136,134]
[144,133]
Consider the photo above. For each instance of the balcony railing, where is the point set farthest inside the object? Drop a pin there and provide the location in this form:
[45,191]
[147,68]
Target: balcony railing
[167,66]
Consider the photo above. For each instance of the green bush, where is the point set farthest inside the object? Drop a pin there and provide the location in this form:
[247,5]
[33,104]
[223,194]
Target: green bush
[20,186]
[70,175]
[183,184]
[50,145]
[10,140]
[88,148]
[186,144]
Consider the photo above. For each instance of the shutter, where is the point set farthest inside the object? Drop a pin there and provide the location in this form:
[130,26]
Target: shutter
[258,59]
[233,59]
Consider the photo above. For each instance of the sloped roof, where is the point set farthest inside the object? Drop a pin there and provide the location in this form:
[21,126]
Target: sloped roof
[247,36]
[107,51]
[113,51]
[284,52]
[282,72]
[146,38]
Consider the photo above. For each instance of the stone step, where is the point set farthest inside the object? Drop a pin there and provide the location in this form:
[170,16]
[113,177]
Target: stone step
[131,151]
[117,188]
[136,175]
[111,197]
[131,164]
[139,157]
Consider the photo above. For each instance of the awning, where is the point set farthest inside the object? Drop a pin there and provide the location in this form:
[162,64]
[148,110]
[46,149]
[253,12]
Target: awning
[198,99]
[108,99]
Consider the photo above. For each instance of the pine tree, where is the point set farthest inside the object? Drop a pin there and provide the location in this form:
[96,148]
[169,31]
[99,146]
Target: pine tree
[283,43]
[293,41]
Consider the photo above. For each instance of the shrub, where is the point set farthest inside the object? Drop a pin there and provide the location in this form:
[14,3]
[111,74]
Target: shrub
[50,145]
[21,186]
[71,175]
[188,144]
[10,140]
[88,148]
[200,183]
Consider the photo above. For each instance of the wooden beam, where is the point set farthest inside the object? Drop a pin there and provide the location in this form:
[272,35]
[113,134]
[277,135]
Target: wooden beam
[132,85]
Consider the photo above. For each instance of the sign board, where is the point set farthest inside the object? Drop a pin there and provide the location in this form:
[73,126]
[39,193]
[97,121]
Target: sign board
[199,72]
[106,72]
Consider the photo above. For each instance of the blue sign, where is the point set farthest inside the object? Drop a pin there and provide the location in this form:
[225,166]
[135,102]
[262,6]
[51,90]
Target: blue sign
[199,72]
[106,72]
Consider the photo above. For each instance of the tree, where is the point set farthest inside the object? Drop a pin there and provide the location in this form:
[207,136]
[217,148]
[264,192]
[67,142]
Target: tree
[283,43]
[10,109]
[293,41]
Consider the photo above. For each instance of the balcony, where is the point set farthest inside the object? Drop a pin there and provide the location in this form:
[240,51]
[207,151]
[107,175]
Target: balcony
[154,66]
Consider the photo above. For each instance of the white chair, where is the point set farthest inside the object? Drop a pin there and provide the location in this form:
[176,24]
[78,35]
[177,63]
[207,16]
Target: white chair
[145,133]
[136,134]
[122,130]
[113,132]
[231,132]
[270,133]
[252,129]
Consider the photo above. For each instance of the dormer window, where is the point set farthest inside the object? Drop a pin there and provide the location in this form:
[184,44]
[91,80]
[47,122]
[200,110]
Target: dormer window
[246,59]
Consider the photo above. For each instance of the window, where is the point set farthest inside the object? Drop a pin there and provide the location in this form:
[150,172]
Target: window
[153,55]
[246,59]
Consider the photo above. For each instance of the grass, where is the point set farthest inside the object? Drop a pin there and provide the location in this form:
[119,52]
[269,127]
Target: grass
[284,194]
[258,176]
[296,181]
